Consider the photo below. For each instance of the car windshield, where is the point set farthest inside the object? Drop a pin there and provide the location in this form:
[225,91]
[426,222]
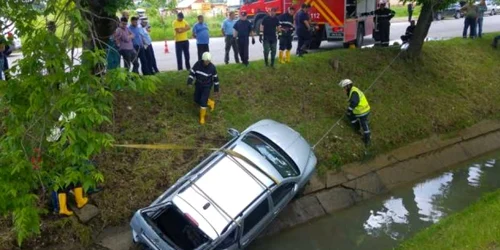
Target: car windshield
[272,153]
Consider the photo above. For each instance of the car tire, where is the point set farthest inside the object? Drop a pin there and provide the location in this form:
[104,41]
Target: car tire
[457,15]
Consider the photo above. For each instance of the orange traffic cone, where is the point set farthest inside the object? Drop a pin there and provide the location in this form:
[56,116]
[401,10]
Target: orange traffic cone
[166,47]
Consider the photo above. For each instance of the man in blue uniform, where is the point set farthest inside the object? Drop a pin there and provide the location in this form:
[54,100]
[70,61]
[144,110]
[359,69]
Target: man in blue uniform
[286,35]
[201,33]
[204,74]
[383,18]
[303,27]
[243,29]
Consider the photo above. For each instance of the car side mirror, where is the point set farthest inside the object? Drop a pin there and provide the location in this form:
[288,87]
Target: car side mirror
[233,132]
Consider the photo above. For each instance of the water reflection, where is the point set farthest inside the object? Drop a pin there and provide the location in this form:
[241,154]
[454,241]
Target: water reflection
[385,221]
[474,178]
[393,212]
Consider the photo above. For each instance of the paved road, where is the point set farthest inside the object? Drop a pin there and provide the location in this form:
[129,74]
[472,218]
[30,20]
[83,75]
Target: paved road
[439,29]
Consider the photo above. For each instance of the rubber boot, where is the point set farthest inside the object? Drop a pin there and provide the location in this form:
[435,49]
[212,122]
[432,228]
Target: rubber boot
[203,112]
[211,104]
[281,56]
[63,207]
[80,200]
[287,53]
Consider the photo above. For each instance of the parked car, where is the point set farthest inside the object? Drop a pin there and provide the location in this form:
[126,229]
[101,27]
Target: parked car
[453,10]
[228,200]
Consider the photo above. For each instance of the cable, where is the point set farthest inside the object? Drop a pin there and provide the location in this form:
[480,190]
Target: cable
[369,87]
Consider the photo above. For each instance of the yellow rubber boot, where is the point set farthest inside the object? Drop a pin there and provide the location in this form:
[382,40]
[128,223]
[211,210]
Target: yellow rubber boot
[203,112]
[287,56]
[281,57]
[211,104]
[63,207]
[80,200]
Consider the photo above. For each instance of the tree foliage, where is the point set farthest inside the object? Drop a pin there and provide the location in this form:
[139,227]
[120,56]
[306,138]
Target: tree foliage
[56,78]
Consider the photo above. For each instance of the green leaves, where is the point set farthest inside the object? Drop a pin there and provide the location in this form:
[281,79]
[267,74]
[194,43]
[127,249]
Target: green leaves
[58,95]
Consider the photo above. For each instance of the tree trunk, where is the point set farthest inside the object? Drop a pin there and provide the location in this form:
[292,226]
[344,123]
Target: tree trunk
[423,25]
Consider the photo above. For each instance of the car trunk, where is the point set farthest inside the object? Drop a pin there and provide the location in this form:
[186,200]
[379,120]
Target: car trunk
[175,228]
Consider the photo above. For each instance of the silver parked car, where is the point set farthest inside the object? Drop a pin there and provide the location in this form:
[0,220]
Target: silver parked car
[229,198]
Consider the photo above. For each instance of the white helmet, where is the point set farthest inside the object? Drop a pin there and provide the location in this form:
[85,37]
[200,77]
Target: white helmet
[344,83]
[206,56]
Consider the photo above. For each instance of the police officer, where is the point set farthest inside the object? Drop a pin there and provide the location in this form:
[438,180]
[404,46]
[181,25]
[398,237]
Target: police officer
[303,27]
[242,30]
[268,29]
[358,109]
[205,76]
[286,35]
[383,18]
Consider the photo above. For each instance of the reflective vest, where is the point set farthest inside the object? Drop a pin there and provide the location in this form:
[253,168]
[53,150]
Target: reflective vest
[363,105]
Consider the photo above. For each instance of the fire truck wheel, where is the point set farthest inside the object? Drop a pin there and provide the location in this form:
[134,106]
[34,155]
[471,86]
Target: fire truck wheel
[360,36]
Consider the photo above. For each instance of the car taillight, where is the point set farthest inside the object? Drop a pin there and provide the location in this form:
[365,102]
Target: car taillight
[191,219]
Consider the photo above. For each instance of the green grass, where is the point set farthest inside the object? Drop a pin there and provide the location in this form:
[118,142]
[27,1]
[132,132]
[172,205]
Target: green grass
[402,11]
[477,227]
[160,32]
[442,93]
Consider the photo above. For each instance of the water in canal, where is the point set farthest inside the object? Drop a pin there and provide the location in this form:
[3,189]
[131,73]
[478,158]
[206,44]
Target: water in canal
[386,221]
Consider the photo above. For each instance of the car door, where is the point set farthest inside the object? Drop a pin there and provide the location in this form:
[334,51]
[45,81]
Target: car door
[255,221]
[281,196]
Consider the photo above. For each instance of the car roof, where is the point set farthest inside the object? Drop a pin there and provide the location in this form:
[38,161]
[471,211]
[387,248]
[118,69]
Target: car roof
[226,189]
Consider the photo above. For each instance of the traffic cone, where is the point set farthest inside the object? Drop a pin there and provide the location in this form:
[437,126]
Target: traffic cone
[166,47]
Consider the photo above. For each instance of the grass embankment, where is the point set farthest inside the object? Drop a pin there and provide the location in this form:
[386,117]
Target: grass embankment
[444,92]
[477,227]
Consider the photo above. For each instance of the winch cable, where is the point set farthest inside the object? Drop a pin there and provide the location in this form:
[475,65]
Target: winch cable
[367,89]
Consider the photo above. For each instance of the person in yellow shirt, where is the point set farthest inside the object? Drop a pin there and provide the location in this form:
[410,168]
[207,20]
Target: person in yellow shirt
[181,28]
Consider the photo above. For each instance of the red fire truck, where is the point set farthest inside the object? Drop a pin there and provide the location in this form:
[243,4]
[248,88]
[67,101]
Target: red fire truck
[348,21]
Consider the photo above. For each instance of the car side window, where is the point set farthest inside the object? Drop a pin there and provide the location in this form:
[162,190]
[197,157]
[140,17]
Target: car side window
[254,217]
[280,193]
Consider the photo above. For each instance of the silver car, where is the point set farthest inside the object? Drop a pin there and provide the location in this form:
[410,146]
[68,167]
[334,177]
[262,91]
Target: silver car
[229,198]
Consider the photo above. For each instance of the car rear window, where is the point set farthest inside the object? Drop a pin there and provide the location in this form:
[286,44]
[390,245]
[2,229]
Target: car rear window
[272,153]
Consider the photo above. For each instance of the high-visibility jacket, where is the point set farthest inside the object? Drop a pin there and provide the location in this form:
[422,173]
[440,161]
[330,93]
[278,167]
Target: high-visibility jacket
[363,106]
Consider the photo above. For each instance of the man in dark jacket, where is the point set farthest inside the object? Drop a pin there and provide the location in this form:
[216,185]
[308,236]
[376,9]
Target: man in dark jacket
[268,30]
[242,30]
[303,26]
[409,32]
[204,74]
[383,18]
[286,35]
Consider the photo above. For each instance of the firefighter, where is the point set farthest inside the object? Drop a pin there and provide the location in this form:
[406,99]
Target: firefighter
[358,109]
[59,196]
[383,18]
[303,26]
[205,76]
[286,35]
[268,30]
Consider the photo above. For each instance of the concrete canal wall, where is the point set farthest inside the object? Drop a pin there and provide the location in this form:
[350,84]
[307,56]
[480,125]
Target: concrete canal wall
[360,181]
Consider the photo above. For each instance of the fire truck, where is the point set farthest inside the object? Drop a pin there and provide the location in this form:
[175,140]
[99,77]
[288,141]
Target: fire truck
[348,21]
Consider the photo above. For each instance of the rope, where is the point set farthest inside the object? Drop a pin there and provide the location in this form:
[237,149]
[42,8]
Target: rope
[369,87]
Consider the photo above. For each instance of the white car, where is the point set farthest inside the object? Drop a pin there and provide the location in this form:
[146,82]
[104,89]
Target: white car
[491,7]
